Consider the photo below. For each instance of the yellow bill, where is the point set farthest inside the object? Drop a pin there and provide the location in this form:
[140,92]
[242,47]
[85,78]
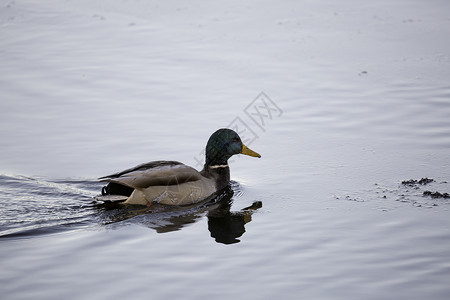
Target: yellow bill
[247,151]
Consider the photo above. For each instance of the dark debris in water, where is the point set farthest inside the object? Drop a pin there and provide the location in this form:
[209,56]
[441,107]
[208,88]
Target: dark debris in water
[412,182]
[422,192]
[436,194]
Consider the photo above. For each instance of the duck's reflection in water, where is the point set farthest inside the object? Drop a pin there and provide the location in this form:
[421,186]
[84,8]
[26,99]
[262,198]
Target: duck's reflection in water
[225,226]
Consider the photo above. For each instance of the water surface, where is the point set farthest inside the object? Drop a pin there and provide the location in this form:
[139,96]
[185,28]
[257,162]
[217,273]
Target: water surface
[355,100]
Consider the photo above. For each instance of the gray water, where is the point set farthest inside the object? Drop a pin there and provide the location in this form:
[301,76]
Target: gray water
[344,101]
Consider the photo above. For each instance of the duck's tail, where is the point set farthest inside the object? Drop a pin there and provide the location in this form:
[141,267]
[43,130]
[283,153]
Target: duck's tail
[113,188]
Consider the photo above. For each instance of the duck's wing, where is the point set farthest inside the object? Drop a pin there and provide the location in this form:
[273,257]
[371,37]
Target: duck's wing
[145,166]
[156,173]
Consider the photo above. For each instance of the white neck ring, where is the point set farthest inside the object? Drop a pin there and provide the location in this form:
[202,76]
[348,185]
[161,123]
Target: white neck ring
[218,166]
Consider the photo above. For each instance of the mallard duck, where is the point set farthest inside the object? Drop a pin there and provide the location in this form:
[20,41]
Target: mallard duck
[174,183]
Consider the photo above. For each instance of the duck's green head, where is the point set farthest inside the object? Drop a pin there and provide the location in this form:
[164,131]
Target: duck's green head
[223,144]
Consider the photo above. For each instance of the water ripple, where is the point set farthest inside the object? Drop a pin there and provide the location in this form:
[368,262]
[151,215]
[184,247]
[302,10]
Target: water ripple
[33,205]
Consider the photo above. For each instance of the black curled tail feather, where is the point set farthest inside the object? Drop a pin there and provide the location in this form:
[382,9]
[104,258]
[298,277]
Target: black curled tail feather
[117,189]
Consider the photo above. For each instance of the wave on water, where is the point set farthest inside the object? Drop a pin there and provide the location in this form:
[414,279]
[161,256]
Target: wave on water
[33,206]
